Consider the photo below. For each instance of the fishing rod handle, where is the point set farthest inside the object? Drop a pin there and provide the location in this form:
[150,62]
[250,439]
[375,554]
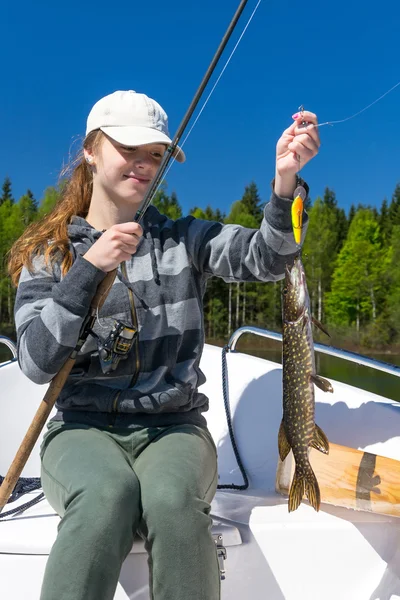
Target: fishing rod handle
[47,404]
[34,430]
[102,292]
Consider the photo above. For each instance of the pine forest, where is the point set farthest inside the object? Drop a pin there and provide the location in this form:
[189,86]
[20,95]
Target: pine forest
[351,261]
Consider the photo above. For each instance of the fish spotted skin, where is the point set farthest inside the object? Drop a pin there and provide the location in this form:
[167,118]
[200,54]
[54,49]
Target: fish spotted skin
[298,430]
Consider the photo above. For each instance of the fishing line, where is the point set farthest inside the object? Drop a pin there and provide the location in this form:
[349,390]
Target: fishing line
[301,109]
[216,83]
[77,160]
[362,110]
[335,122]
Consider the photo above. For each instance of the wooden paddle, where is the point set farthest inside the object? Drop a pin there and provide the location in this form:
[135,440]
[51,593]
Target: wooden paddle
[350,478]
[47,404]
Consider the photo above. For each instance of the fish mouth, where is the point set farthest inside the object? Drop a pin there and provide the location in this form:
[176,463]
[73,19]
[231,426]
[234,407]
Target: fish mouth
[295,289]
[296,274]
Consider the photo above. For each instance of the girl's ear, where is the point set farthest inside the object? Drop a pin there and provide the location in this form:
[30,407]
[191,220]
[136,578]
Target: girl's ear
[88,157]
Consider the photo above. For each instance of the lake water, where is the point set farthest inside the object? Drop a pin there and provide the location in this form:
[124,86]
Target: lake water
[5,353]
[341,370]
[327,366]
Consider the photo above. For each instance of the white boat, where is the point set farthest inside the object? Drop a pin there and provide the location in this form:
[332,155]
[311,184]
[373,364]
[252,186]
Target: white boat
[335,554]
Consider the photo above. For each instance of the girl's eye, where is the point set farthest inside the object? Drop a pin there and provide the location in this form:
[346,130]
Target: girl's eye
[157,154]
[129,148]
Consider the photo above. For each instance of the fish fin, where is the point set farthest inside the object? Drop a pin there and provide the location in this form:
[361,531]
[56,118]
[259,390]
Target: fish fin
[320,441]
[320,326]
[283,444]
[322,383]
[305,324]
[312,490]
[304,484]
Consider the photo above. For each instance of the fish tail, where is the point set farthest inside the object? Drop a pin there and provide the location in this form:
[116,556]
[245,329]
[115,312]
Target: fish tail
[304,482]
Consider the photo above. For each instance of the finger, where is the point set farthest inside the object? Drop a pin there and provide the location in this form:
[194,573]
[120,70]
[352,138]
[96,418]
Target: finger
[290,130]
[306,115]
[311,130]
[307,141]
[129,239]
[129,250]
[301,126]
[136,238]
[130,227]
[302,151]
[307,120]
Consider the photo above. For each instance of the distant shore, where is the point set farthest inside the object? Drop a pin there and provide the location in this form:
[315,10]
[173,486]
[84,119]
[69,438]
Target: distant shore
[249,343]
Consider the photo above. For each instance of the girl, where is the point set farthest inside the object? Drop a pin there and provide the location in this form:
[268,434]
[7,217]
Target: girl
[128,450]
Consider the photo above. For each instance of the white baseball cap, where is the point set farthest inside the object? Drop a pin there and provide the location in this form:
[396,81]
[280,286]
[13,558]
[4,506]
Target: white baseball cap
[132,119]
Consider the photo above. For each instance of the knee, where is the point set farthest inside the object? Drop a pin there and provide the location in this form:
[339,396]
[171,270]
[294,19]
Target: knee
[106,505]
[169,500]
[177,510]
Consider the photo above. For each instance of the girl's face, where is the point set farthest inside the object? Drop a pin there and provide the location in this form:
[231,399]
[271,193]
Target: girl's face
[124,173]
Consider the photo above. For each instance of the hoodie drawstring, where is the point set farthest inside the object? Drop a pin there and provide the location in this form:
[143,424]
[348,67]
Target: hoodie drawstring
[153,257]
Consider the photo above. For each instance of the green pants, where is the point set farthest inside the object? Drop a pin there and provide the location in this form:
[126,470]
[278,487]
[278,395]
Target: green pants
[107,484]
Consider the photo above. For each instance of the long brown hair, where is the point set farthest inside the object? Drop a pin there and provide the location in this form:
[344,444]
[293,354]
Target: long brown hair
[75,200]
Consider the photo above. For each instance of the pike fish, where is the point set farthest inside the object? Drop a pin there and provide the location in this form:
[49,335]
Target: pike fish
[298,431]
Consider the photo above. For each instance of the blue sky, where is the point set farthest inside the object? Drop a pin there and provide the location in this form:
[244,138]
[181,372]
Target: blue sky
[58,59]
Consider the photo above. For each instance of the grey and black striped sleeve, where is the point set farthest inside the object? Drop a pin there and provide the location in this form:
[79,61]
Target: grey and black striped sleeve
[237,253]
[49,313]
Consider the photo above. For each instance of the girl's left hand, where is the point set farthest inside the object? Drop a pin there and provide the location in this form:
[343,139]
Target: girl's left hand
[295,148]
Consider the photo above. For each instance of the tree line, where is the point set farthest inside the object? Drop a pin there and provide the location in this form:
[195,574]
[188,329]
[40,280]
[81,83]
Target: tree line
[351,262]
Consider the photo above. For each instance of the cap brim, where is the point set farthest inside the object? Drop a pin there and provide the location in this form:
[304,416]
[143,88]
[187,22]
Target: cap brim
[138,136]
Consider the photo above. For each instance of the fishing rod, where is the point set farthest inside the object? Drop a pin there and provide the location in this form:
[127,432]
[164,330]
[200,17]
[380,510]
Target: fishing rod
[170,150]
[57,383]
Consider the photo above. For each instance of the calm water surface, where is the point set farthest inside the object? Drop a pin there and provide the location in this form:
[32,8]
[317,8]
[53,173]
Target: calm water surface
[5,353]
[341,370]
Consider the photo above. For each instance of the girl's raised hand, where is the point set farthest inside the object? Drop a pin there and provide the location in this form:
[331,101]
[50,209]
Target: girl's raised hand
[298,144]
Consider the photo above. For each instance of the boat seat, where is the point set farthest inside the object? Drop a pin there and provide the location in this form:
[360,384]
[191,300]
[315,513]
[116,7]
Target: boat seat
[34,531]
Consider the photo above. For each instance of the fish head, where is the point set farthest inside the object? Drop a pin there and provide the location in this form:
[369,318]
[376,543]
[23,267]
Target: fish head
[295,295]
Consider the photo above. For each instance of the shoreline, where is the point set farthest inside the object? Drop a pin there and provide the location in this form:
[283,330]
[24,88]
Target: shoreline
[265,344]
[268,345]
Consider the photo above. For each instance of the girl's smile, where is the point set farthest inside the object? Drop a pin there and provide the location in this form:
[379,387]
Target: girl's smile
[121,177]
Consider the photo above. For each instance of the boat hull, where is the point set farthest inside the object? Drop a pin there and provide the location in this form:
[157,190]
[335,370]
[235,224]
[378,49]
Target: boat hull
[336,553]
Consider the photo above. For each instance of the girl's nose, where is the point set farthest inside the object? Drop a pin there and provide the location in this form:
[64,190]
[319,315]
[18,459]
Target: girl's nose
[141,158]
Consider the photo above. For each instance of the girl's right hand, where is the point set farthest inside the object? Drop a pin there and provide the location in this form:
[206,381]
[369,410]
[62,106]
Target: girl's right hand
[116,245]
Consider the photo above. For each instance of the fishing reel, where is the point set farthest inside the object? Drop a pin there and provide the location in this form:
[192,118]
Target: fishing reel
[116,346]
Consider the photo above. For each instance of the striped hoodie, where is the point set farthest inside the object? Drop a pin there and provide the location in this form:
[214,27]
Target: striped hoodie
[160,291]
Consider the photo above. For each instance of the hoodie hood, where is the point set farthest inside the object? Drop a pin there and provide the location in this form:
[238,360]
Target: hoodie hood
[83,235]
[79,230]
